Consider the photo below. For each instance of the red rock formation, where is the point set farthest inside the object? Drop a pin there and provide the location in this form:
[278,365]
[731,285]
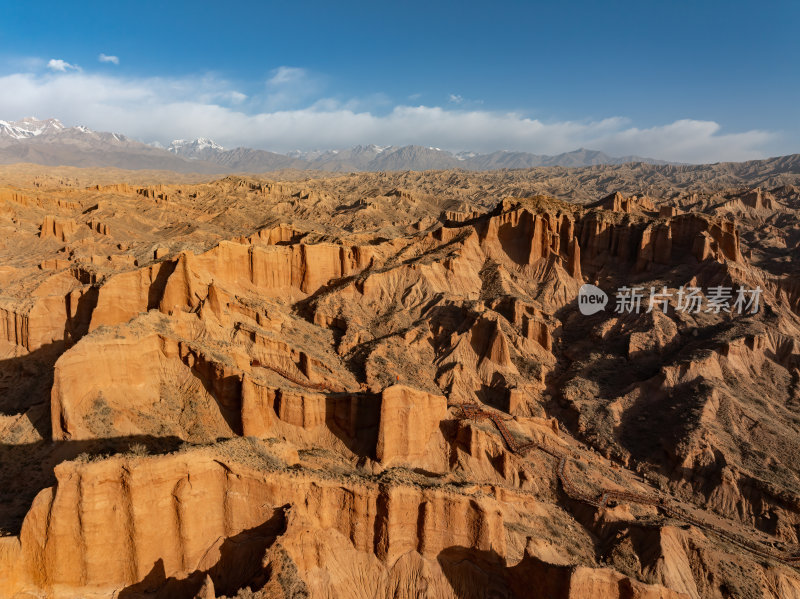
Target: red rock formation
[297,336]
[759,200]
[668,211]
[604,239]
[50,318]
[274,235]
[57,228]
[126,295]
[193,503]
[98,227]
[55,264]
[409,425]
[616,202]
[270,269]
[116,188]
[137,377]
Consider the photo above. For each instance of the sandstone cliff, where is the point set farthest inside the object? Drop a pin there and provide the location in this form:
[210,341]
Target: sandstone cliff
[381,386]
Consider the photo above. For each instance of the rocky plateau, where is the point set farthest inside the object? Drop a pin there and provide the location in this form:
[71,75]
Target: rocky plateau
[380,385]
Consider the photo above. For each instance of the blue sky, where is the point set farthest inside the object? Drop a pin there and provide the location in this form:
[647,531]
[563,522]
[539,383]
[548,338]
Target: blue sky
[691,81]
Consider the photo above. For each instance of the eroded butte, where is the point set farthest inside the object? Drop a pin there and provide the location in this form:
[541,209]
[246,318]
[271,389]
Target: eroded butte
[381,386]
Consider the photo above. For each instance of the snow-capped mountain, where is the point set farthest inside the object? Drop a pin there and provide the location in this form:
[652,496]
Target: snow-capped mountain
[31,128]
[28,127]
[237,159]
[195,149]
[49,142]
[369,152]
[310,154]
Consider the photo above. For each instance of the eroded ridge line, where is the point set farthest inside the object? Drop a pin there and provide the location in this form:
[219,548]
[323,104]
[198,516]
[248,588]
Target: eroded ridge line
[473,411]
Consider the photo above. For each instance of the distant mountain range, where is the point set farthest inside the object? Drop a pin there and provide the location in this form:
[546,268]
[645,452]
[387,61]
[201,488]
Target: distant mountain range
[387,158]
[50,143]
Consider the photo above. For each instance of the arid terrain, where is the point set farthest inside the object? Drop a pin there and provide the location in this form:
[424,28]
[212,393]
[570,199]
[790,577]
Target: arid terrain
[379,385]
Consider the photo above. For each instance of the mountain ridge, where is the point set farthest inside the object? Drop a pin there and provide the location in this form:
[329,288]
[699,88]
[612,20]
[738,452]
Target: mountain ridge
[412,157]
[49,142]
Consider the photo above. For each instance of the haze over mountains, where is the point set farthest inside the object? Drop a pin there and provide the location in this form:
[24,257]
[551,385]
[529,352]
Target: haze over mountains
[50,143]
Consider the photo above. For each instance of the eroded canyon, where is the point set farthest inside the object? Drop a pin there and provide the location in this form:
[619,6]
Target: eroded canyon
[380,385]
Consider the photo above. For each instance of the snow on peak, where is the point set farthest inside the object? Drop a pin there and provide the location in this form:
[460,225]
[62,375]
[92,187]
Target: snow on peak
[31,123]
[28,127]
[184,146]
[204,142]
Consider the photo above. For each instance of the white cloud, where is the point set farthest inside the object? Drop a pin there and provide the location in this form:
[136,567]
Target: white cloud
[287,75]
[288,87]
[456,99]
[237,97]
[108,58]
[56,64]
[164,109]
